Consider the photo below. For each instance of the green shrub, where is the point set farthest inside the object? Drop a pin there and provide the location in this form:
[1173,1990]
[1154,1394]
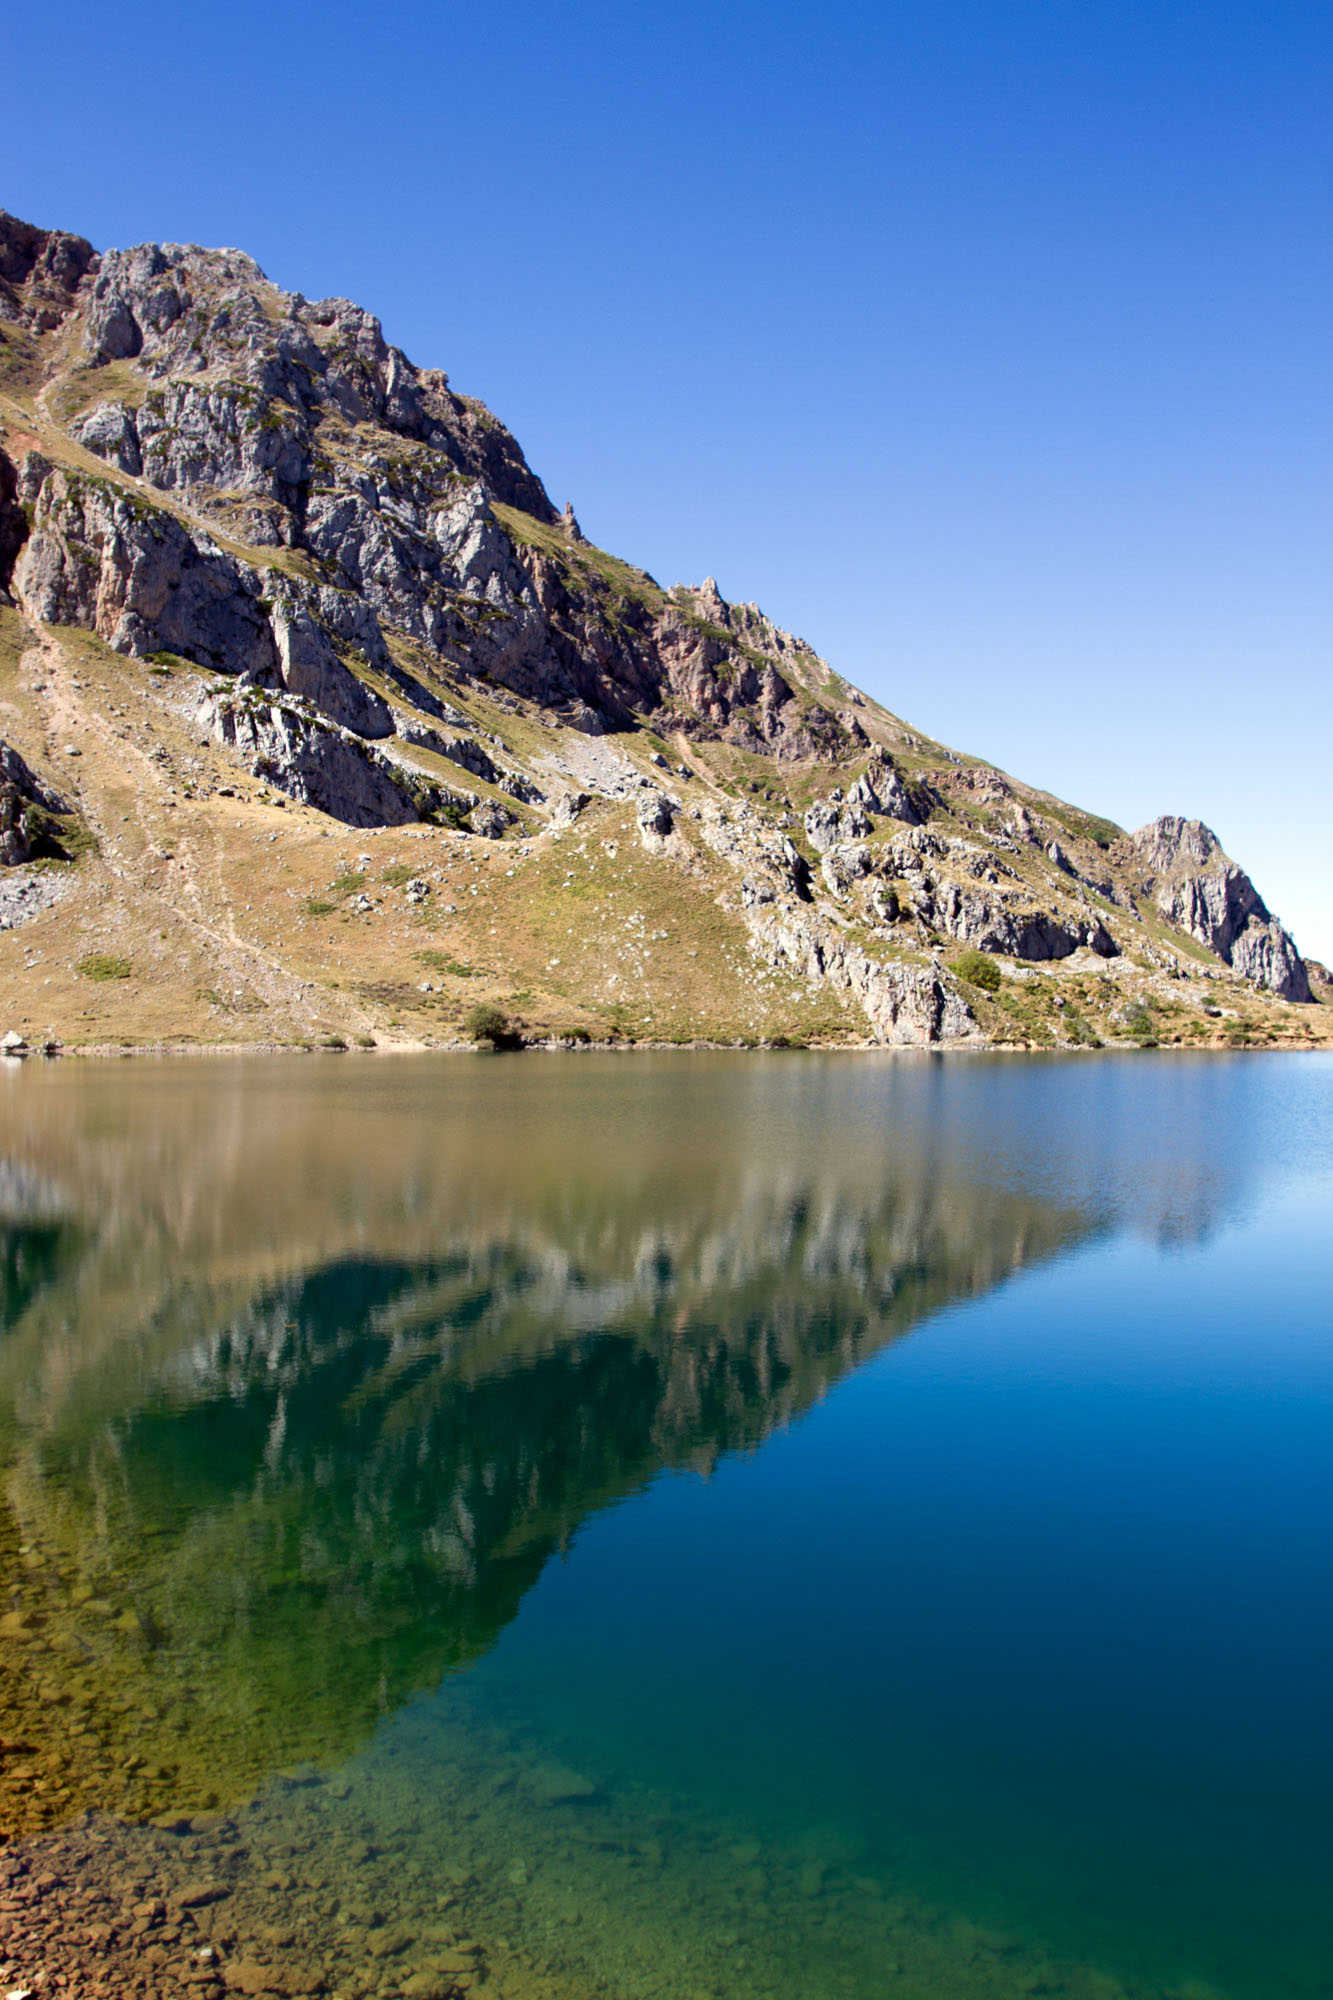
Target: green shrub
[74,839]
[314,907]
[979,969]
[103,965]
[1078,1029]
[486,1023]
[1138,1021]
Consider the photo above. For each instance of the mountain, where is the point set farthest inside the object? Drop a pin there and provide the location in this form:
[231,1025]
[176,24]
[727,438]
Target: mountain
[322,722]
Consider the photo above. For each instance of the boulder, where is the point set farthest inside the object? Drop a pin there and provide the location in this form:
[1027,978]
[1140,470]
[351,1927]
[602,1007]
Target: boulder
[842,867]
[656,815]
[830,822]
[490,819]
[880,790]
[568,807]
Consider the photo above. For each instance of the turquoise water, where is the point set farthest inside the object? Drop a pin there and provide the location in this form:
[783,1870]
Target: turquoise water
[782,1524]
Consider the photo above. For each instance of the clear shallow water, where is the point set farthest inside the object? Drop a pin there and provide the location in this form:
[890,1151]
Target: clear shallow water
[775,1525]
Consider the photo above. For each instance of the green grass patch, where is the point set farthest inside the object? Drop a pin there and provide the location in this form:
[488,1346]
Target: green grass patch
[440,961]
[979,969]
[103,965]
[1082,825]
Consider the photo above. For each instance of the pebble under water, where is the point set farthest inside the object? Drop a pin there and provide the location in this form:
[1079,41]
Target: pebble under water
[695,1526]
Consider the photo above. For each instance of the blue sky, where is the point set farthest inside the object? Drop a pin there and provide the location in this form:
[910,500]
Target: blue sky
[985,345]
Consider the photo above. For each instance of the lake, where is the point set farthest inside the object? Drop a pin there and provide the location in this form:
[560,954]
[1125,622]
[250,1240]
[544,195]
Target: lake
[704,1526]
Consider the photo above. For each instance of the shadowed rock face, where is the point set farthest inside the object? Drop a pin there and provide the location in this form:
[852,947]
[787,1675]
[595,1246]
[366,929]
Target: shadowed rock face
[1199,888]
[13,524]
[40,271]
[25,803]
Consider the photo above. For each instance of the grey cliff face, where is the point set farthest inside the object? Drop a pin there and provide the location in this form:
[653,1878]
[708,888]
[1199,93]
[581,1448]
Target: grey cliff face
[906,1004]
[134,574]
[309,759]
[1199,889]
[972,896]
[100,558]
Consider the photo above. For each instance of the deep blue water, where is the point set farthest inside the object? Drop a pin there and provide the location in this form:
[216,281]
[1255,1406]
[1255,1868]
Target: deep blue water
[1040,1605]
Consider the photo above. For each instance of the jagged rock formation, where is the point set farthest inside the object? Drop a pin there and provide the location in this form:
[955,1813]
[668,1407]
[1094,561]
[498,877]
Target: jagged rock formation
[310,758]
[388,622]
[1201,890]
[40,271]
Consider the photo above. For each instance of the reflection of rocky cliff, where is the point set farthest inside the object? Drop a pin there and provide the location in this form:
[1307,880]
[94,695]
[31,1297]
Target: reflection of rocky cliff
[326,1499]
[299,1398]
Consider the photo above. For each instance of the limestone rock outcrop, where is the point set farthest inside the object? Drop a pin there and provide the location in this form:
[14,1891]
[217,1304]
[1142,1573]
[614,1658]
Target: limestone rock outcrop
[881,790]
[1197,887]
[293,747]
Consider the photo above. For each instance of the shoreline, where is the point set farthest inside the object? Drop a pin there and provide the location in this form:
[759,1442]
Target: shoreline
[176,1050]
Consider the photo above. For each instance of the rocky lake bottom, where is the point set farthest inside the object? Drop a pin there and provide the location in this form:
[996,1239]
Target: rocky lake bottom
[718,1527]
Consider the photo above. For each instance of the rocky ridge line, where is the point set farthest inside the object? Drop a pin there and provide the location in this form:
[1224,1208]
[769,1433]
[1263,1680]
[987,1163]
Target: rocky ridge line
[203,469]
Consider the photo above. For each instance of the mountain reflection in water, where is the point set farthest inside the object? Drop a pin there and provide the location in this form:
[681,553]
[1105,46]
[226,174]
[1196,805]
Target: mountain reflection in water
[308,1371]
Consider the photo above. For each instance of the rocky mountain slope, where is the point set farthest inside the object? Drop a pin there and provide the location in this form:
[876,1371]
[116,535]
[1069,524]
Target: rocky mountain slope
[321,722]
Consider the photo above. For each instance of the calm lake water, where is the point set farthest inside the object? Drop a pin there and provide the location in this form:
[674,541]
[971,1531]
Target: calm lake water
[767,1525]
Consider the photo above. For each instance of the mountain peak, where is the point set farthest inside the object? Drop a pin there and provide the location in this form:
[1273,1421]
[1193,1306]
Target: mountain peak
[307,562]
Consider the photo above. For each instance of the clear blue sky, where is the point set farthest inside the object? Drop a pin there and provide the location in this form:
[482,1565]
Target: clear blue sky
[985,344]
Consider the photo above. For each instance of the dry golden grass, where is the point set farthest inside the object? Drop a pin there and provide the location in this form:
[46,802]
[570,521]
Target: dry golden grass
[237,913]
